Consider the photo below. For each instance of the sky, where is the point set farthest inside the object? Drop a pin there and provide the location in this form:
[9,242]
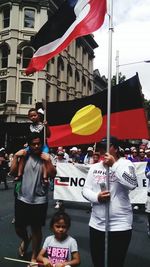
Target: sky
[131,37]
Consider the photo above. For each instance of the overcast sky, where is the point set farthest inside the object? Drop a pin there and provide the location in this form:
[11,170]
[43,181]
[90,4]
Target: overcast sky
[131,37]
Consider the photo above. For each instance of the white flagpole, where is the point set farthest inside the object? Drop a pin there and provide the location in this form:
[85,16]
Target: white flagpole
[44,104]
[117,67]
[110,15]
[94,147]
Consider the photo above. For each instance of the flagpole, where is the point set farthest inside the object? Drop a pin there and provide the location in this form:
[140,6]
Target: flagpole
[94,147]
[110,15]
[44,104]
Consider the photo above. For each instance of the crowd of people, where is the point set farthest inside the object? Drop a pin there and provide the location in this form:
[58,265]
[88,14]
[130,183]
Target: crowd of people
[110,178]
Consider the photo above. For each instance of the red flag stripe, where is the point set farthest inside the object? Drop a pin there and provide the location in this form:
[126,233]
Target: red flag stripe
[120,127]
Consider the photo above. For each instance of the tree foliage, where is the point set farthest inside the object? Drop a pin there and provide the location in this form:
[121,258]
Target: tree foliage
[122,78]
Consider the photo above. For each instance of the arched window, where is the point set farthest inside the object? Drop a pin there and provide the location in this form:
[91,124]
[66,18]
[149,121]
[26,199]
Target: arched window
[4,51]
[29,18]
[26,56]
[84,89]
[83,81]
[26,92]
[6,16]
[77,81]
[89,86]
[84,54]
[3,89]
[58,95]
[69,74]
[60,67]
[77,76]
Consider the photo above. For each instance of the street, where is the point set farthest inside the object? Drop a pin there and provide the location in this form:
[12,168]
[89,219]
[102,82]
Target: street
[138,253]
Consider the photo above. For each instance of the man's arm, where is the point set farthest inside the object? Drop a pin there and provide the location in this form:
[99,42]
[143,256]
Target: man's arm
[15,161]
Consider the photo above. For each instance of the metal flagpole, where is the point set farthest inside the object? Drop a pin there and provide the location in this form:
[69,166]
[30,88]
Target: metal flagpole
[44,104]
[117,67]
[94,147]
[110,15]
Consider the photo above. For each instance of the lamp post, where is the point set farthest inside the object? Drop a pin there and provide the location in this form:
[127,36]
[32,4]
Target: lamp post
[130,63]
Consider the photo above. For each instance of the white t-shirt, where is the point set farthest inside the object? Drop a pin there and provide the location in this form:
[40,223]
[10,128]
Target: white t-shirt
[122,178]
[59,251]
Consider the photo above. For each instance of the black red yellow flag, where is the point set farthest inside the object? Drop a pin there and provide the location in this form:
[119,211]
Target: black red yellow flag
[84,120]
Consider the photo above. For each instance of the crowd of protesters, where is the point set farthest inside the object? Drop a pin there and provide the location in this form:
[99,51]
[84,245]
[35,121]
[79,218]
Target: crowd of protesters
[33,167]
[89,155]
[76,154]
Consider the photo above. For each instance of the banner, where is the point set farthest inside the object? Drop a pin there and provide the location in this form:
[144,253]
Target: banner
[139,194]
[70,180]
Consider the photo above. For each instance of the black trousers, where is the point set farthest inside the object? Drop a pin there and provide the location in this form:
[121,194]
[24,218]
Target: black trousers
[118,243]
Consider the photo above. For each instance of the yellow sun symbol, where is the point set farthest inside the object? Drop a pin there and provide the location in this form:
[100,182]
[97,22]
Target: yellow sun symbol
[87,120]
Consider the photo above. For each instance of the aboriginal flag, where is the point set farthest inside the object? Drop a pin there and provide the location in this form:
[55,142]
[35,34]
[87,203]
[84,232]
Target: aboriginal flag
[84,120]
[73,19]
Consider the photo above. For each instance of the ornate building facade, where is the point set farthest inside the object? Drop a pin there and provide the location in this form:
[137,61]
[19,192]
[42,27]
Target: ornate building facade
[67,76]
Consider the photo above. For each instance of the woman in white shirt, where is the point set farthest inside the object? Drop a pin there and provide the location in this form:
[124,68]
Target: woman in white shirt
[122,178]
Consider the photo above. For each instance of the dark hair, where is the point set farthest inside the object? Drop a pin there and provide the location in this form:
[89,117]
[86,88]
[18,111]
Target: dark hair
[32,110]
[60,215]
[113,142]
[33,136]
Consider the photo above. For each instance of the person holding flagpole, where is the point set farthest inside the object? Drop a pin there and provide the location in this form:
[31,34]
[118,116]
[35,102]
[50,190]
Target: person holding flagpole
[122,179]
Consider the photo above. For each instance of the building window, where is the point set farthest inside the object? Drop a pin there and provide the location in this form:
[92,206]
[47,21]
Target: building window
[4,56]
[60,67]
[3,86]
[6,17]
[26,56]
[77,76]
[29,18]
[69,74]
[89,86]
[84,55]
[52,60]
[83,81]
[26,92]
[58,95]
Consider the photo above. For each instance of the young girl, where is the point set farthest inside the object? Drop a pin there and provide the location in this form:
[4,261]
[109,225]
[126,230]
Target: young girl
[60,249]
[37,125]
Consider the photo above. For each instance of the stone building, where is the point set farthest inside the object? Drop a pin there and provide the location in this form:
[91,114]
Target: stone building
[67,76]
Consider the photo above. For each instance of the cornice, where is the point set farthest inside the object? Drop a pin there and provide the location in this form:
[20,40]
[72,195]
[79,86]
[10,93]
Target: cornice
[35,3]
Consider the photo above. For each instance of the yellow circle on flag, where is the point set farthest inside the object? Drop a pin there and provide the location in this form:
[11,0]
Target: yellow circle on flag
[87,120]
